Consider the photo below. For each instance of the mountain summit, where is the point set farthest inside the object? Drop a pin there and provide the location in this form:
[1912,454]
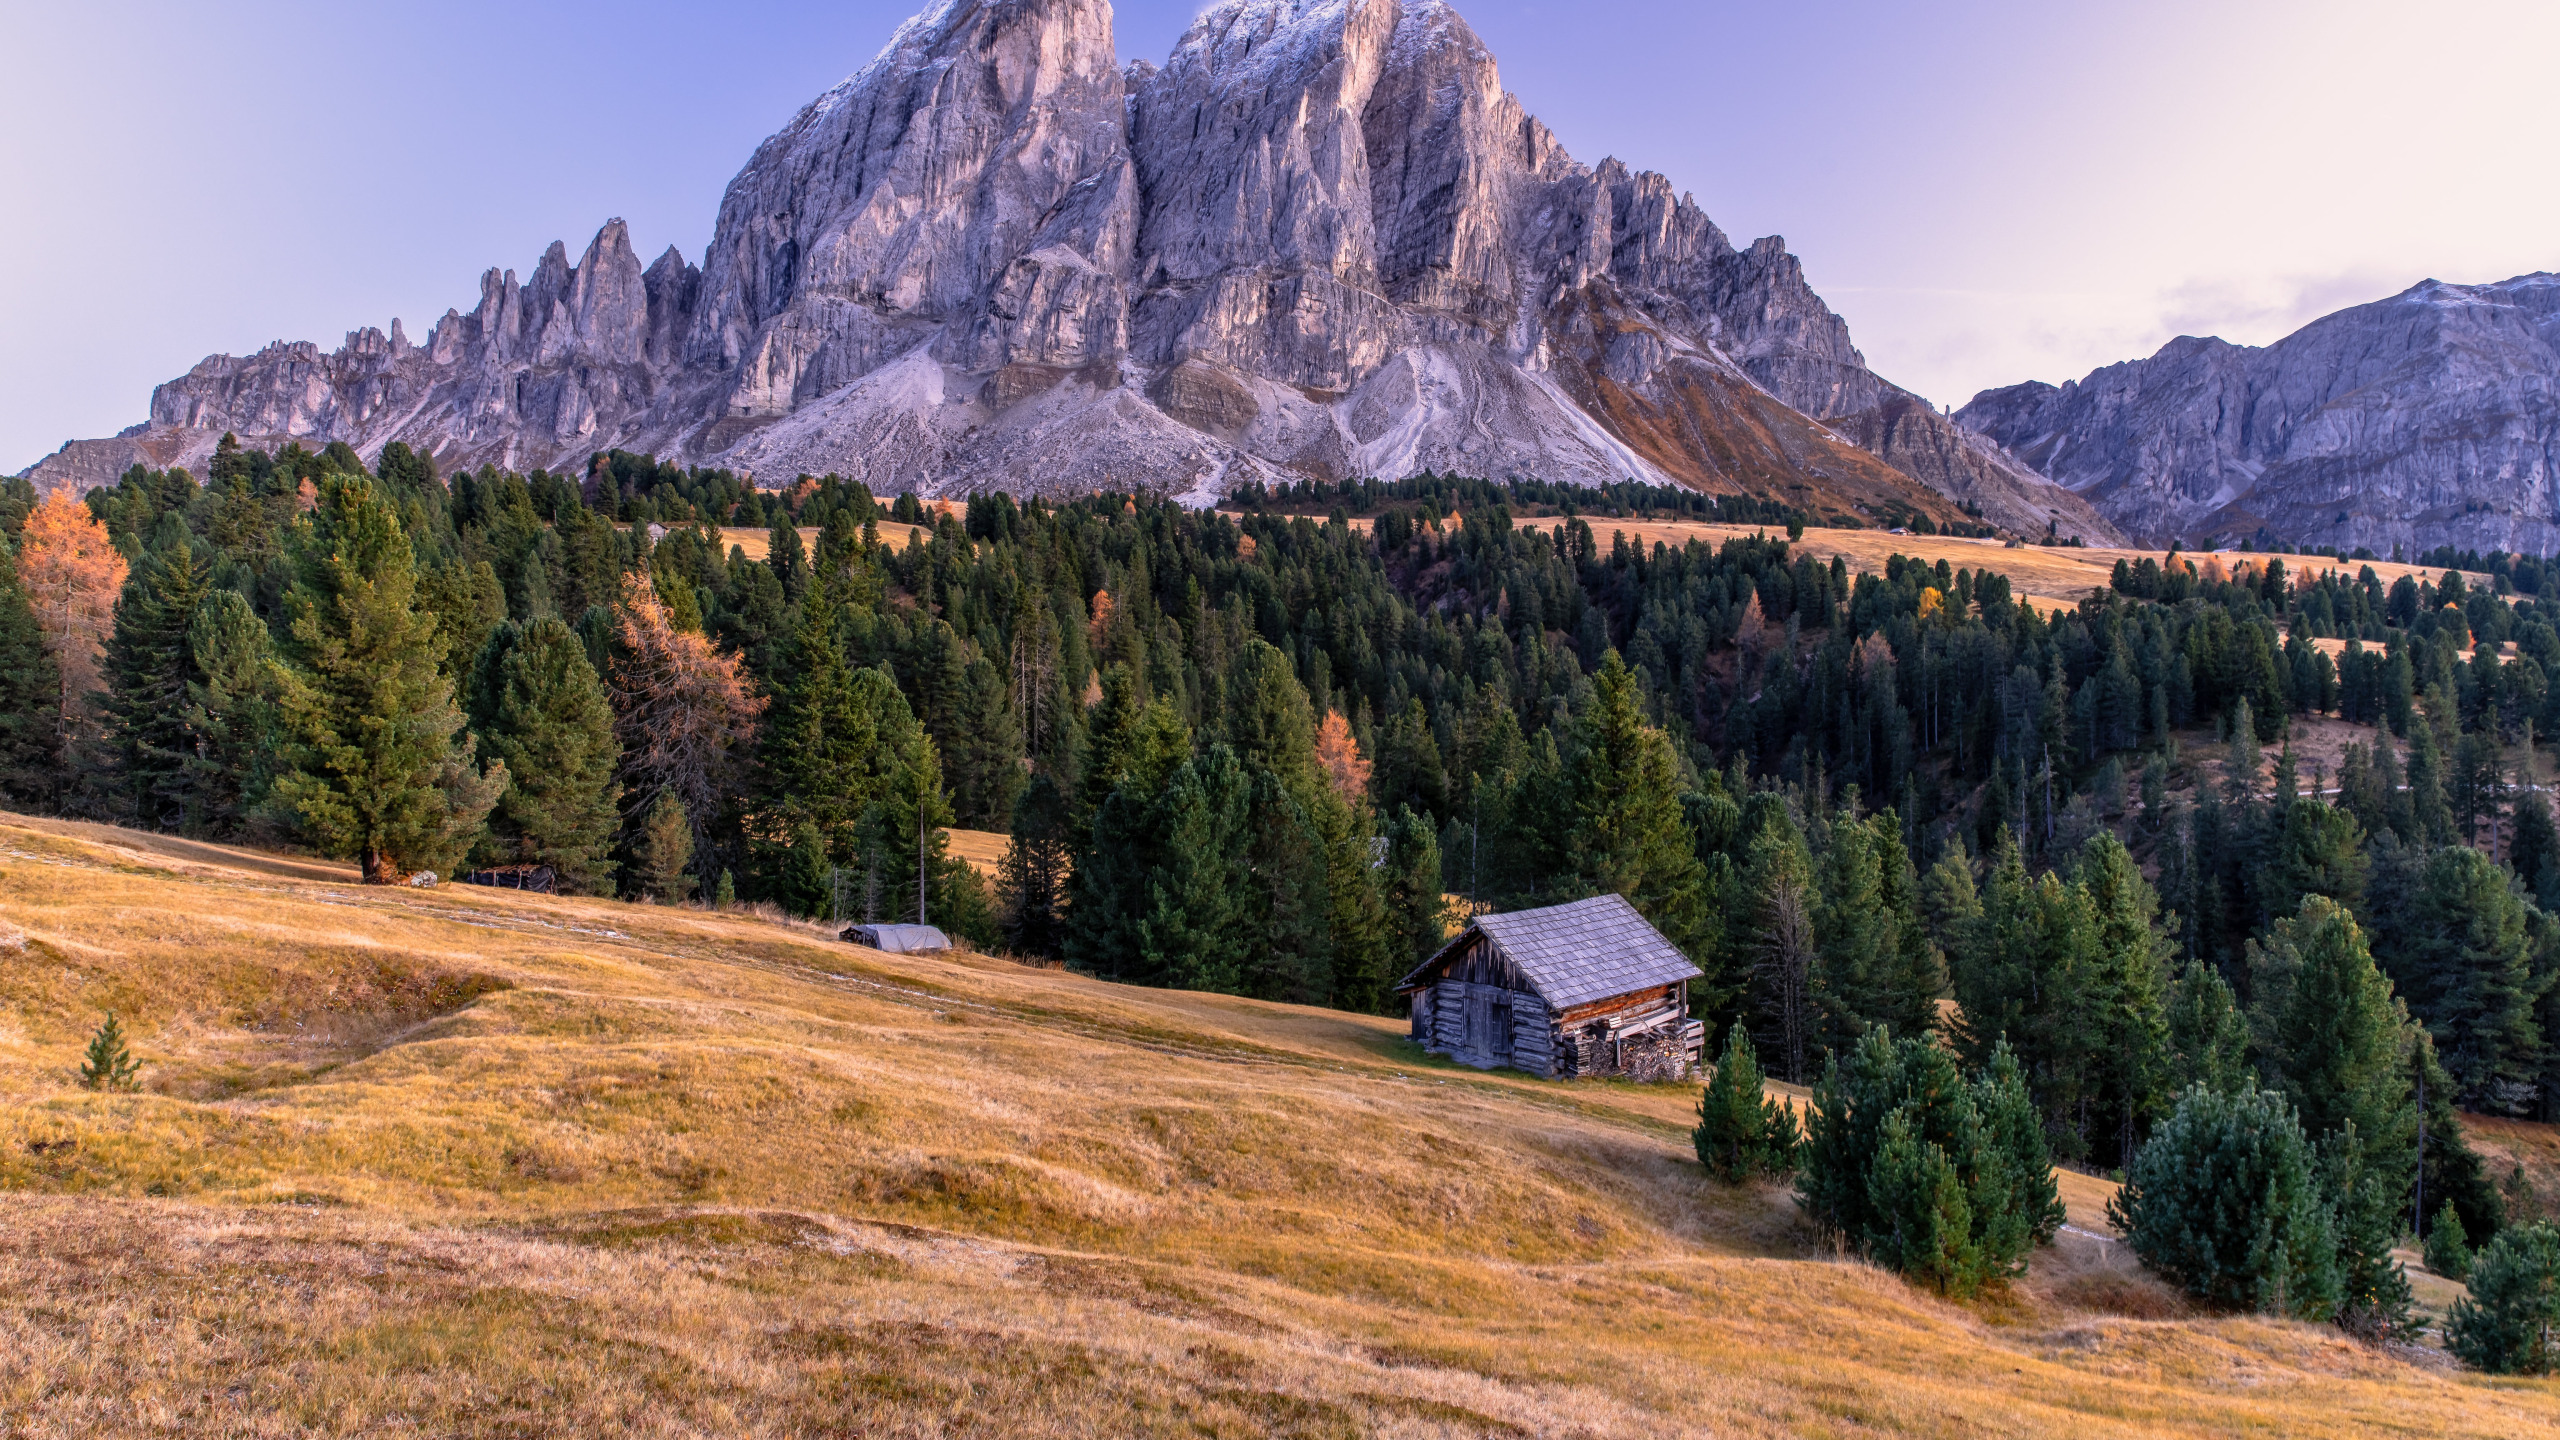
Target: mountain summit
[1320,240]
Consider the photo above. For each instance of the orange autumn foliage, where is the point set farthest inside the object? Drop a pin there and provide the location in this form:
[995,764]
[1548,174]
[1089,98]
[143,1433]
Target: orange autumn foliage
[72,575]
[681,707]
[1338,751]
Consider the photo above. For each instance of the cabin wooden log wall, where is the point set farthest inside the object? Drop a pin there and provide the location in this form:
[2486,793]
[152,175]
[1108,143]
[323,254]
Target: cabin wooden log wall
[1488,1002]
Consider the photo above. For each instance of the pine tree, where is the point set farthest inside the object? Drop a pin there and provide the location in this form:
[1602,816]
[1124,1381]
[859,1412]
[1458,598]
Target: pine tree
[1925,1221]
[2331,1038]
[1869,1175]
[1742,1131]
[2030,1212]
[1950,903]
[2510,1323]
[375,761]
[1918,973]
[544,717]
[725,895]
[2225,1202]
[108,1065]
[2430,817]
[2366,1186]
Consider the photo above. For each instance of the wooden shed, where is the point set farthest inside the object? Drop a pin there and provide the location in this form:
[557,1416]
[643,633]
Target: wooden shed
[1582,989]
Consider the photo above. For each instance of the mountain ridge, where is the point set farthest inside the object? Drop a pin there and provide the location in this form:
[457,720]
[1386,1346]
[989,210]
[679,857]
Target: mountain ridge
[2430,417]
[1320,240]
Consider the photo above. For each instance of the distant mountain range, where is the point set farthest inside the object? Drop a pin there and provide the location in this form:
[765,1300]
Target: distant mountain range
[1320,240]
[2431,418]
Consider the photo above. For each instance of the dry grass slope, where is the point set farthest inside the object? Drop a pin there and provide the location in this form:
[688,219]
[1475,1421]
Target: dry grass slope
[462,1162]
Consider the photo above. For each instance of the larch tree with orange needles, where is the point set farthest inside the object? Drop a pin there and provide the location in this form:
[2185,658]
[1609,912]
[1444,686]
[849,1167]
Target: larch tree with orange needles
[1338,751]
[681,708]
[72,575]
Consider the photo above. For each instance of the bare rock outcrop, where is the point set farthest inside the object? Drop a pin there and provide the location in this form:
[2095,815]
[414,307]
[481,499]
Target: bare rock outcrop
[1321,239]
[2427,419]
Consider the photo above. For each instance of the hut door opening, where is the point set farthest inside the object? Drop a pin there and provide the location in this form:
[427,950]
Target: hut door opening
[1499,1042]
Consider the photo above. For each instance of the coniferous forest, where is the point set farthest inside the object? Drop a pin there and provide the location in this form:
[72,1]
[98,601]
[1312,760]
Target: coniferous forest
[1261,753]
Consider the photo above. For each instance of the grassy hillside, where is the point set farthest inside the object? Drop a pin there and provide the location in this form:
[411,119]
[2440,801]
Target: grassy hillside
[466,1162]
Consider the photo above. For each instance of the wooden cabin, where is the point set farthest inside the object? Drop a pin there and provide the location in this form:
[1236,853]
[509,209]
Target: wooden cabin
[1582,989]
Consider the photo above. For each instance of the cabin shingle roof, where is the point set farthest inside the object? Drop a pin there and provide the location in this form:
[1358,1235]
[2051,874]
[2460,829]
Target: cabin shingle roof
[1575,954]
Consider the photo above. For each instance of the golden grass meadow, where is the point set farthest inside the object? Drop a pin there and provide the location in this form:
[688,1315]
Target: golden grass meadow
[463,1162]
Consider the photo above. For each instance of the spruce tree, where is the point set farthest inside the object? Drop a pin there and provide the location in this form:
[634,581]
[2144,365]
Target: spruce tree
[2534,851]
[1032,879]
[545,718]
[1417,905]
[375,761]
[2208,1040]
[30,694]
[149,667]
[230,711]
[664,852]
[1918,974]
[1742,1131]
[2128,990]
[1778,885]
[2448,1250]
[2319,850]
[1193,928]
[1858,941]
[2225,1202]
[2463,959]
[1630,836]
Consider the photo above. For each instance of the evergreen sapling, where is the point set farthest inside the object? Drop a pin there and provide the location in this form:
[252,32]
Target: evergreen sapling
[1741,1131]
[109,1065]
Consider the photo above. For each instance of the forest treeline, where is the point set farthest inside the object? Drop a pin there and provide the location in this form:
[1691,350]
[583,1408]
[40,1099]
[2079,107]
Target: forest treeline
[1253,753]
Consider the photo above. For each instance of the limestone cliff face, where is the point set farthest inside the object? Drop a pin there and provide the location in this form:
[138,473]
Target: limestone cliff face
[2426,419]
[1321,239]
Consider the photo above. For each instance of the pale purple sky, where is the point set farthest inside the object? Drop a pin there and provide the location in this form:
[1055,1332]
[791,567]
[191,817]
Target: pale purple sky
[1989,190]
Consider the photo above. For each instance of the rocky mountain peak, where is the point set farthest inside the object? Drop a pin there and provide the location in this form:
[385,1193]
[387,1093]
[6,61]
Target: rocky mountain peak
[1319,239]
